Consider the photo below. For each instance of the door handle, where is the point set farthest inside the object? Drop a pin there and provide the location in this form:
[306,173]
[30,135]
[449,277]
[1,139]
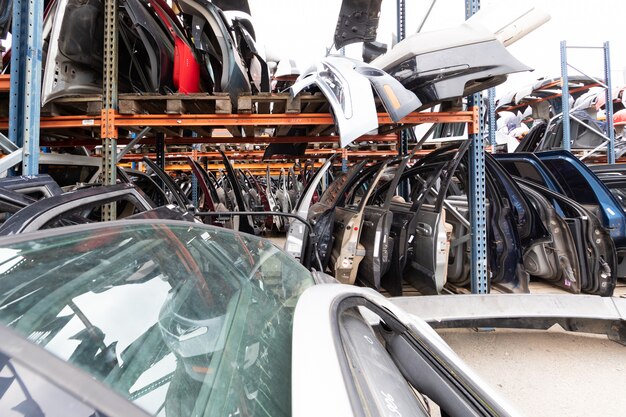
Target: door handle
[424,229]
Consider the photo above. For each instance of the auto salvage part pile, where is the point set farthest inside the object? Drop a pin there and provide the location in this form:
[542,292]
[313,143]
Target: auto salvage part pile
[549,218]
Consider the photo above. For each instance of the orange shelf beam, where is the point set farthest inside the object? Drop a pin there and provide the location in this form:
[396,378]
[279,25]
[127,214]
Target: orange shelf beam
[257,140]
[213,120]
[257,155]
[5,83]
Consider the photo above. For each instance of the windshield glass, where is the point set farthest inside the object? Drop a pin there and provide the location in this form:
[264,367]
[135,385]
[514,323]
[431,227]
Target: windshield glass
[184,320]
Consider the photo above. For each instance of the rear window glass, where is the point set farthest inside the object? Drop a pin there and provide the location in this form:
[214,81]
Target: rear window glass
[524,170]
[572,181]
[69,174]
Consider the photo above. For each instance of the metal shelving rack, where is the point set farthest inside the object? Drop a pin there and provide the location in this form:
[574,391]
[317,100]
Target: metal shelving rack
[25,121]
[610,133]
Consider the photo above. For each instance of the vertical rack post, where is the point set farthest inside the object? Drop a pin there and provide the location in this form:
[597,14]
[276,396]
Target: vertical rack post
[492,118]
[403,137]
[159,145]
[610,132]
[400,19]
[606,84]
[25,88]
[109,103]
[477,194]
[160,150]
[565,98]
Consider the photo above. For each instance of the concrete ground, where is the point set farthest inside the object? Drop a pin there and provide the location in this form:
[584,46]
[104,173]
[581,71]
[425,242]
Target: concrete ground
[553,373]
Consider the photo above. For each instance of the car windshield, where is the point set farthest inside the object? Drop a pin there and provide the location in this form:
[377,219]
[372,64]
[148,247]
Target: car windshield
[183,320]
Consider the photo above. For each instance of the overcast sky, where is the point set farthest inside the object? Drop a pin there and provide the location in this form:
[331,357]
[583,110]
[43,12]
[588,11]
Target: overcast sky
[304,28]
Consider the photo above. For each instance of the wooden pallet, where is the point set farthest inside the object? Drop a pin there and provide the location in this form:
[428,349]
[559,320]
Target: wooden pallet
[200,103]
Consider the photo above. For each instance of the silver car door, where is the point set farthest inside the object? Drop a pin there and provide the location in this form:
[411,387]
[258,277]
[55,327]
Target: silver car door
[296,236]
[347,251]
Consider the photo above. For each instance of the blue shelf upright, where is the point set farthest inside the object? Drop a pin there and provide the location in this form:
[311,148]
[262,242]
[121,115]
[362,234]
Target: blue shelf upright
[25,89]
[477,191]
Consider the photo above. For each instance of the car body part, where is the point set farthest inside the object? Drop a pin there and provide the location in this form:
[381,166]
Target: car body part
[68,170]
[543,236]
[262,202]
[40,373]
[397,100]
[357,22]
[196,293]
[376,235]
[588,211]
[207,204]
[532,138]
[322,214]
[583,313]
[80,206]
[516,228]
[184,274]
[417,223]
[450,63]
[11,202]
[159,48]
[348,93]
[254,59]
[218,49]
[246,224]
[186,70]
[348,251]
[411,344]
[283,197]
[510,24]
[6,13]
[238,5]
[74,66]
[38,186]
[284,151]
[595,248]
[344,83]
[372,50]
[147,184]
[74,50]
[557,260]
[585,133]
[580,184]
[170,187]
[278,221]
[296,239]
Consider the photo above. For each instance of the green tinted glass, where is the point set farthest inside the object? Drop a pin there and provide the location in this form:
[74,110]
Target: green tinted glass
[183,320]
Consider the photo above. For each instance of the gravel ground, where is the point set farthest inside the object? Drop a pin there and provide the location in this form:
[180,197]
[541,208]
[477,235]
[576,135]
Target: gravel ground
[551,373]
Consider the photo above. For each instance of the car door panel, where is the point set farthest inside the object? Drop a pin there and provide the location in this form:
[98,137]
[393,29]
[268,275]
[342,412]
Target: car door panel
[322,214]
[296,239]
[347,250]
[555,259]
[378,244]
[594,247]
